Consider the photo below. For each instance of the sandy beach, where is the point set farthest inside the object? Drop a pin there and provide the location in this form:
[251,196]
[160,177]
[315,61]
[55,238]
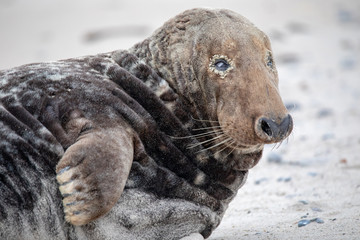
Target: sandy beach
[313,178]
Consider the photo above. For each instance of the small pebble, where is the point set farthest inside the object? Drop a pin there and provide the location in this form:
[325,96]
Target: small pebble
[304,202]
[291,196]
[288,179]
[343,161]
[325,112]
[318,220]
[284,179]
[316,209]
[312,174]
[328,136]
[292,106]
[303,223]
[274,158]
[257,182]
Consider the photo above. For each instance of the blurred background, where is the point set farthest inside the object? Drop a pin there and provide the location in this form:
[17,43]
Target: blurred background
[316,44]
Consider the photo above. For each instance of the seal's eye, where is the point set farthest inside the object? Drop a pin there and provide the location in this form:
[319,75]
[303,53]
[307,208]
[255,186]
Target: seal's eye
[221,65]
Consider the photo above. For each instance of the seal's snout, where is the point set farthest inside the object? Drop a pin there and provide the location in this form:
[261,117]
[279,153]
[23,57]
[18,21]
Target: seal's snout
[271,131]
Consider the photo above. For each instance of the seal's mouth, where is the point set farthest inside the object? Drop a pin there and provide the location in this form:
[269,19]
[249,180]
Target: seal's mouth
[242,157]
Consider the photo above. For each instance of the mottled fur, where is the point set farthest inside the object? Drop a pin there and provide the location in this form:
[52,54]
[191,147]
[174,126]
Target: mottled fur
[136,139]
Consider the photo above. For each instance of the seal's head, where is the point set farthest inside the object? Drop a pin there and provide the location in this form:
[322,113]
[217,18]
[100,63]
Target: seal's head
[223,65]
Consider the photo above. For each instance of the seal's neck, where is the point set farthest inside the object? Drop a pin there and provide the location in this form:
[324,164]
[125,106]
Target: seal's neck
[155,56]
[175,68]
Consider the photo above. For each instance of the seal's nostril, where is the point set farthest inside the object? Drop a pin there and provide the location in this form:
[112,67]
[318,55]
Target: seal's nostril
[266,128]
[269,130]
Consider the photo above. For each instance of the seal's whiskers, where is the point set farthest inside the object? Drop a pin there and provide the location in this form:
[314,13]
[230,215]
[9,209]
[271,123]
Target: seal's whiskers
[216,145]
[213,132]
[229,145]
[204,120]
[206,141]
[208,133]
[206,128]
[274,145]
[233,149]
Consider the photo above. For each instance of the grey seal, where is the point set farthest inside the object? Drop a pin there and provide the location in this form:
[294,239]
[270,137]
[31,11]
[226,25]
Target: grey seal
[147,143]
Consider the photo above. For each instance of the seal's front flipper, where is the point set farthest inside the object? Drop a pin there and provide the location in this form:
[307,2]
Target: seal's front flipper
[93,171]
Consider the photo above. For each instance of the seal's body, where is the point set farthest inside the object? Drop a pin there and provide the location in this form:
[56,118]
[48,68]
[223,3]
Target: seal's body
[149,143]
